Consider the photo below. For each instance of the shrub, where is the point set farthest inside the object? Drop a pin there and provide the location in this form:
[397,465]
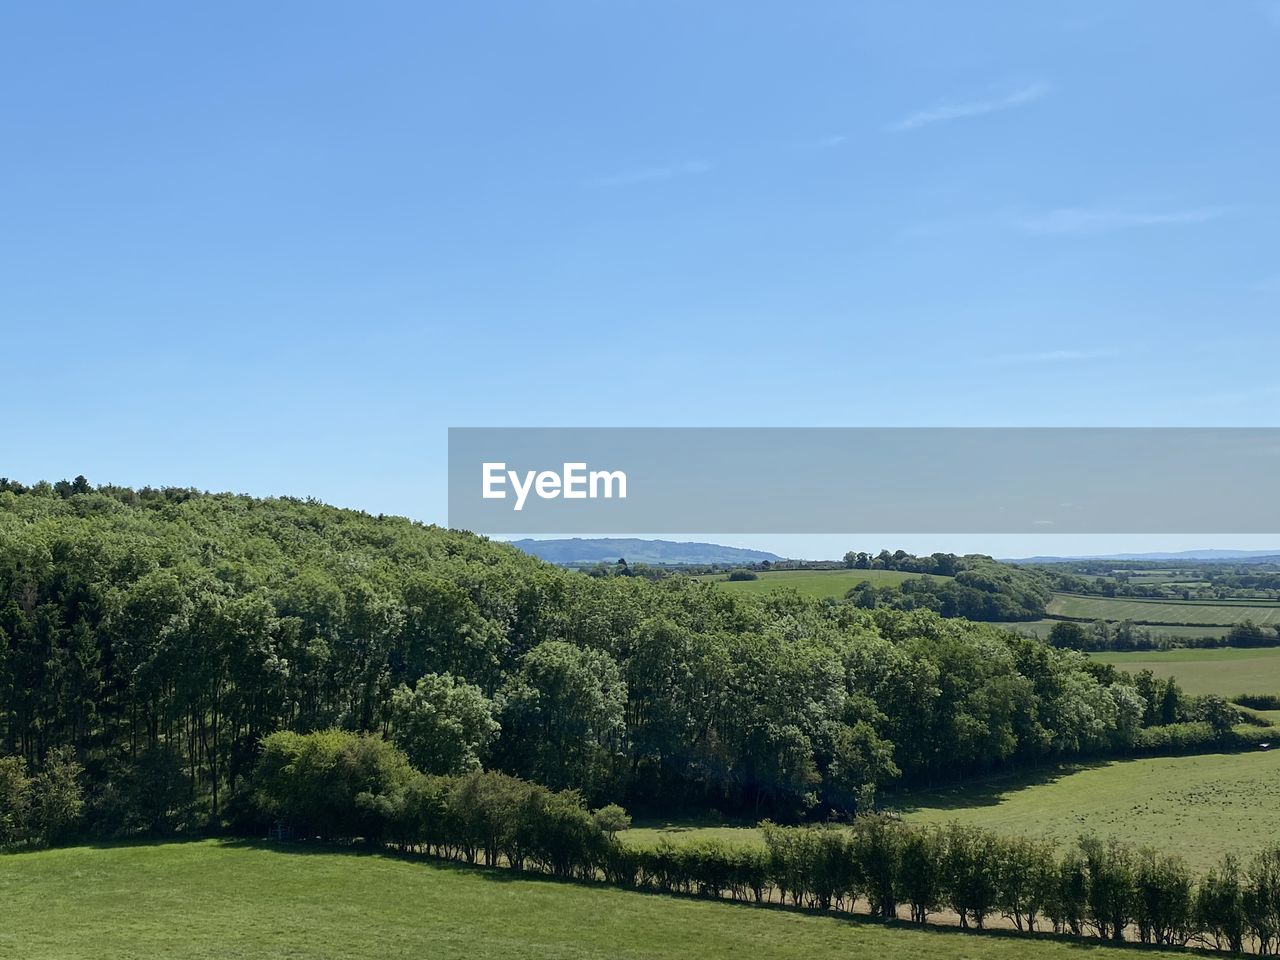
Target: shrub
[15,802]
[41,809]
[611,818]
[1258,701]
[335,784]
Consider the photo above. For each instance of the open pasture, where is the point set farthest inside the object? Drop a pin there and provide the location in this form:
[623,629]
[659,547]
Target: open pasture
[816,583]
[1193,612]
[1199,806]
[233,901]
[1226,671]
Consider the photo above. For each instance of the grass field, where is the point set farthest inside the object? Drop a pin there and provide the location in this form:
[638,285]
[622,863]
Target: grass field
[206,900]
[816,583]
[1200,806]
[1201,612]
[647,834]
[1223,670]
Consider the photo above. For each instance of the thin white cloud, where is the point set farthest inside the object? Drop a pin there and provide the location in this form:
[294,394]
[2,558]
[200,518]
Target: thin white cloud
[627,178]
[973,108]
[1097,220]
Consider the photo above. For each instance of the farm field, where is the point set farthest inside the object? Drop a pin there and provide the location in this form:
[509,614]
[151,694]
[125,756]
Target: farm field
[1041,628]
[232,901]
[1201,806]
[1227,671]
[815,583]
[1201,612]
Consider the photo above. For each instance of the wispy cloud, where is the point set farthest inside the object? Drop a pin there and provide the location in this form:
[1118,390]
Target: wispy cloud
[1055,356]
[691,168]
[972,108]
[1098,220]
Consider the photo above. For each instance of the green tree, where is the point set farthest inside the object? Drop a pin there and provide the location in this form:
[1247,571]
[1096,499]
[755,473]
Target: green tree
[443,725]
[562,717]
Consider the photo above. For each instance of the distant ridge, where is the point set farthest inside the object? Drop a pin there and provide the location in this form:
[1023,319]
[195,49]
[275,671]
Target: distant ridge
[578,551]
[1205,556]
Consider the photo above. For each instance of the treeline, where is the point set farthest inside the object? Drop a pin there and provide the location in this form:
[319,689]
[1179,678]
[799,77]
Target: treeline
[161,635]
[1167,580]
[975,587]
[1125,636]
[341,786]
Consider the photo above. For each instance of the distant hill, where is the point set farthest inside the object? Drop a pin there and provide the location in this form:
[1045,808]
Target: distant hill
[577,551]
[1203,556]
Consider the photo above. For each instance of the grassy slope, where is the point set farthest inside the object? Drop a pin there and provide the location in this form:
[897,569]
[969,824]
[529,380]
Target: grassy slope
[235,902]
[1223,670]
[1201,806]
[1164,611]
[817,583]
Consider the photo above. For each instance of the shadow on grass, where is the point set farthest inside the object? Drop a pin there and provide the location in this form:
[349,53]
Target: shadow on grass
[505,875]
[690,824]
[989,791]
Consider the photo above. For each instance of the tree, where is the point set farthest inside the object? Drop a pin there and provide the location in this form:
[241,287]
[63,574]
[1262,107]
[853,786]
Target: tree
[15,802]
[1067,635]
[1219,906]
[861,761]
[562,716]
[443,725]
[58,796]
[611,818]
[1218,713]
[336,784]
[920,877]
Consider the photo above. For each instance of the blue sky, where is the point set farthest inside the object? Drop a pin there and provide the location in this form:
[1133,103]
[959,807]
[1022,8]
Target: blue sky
[280,248]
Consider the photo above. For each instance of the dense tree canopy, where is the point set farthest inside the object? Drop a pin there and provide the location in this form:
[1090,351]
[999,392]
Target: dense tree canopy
[162,634]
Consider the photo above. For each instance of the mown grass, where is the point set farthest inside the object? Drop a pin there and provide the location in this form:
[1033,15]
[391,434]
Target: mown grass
[1201,612]
[1223,670]
[816,583]
[237,901]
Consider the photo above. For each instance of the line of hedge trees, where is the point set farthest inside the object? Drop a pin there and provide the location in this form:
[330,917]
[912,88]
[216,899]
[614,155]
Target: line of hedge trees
[351,787]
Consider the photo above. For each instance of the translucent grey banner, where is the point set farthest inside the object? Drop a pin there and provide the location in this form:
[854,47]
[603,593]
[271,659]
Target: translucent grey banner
[864,480]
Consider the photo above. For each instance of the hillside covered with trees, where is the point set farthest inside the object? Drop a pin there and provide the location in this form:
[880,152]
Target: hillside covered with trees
[156,637]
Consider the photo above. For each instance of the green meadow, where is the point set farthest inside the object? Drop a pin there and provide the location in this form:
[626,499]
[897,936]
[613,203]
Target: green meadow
[1201,806]
[1227,671]
[1196,612]
[234,901]
[816,583]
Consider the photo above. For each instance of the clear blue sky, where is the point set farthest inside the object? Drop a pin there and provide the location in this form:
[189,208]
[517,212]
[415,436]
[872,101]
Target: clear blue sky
[279,248]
